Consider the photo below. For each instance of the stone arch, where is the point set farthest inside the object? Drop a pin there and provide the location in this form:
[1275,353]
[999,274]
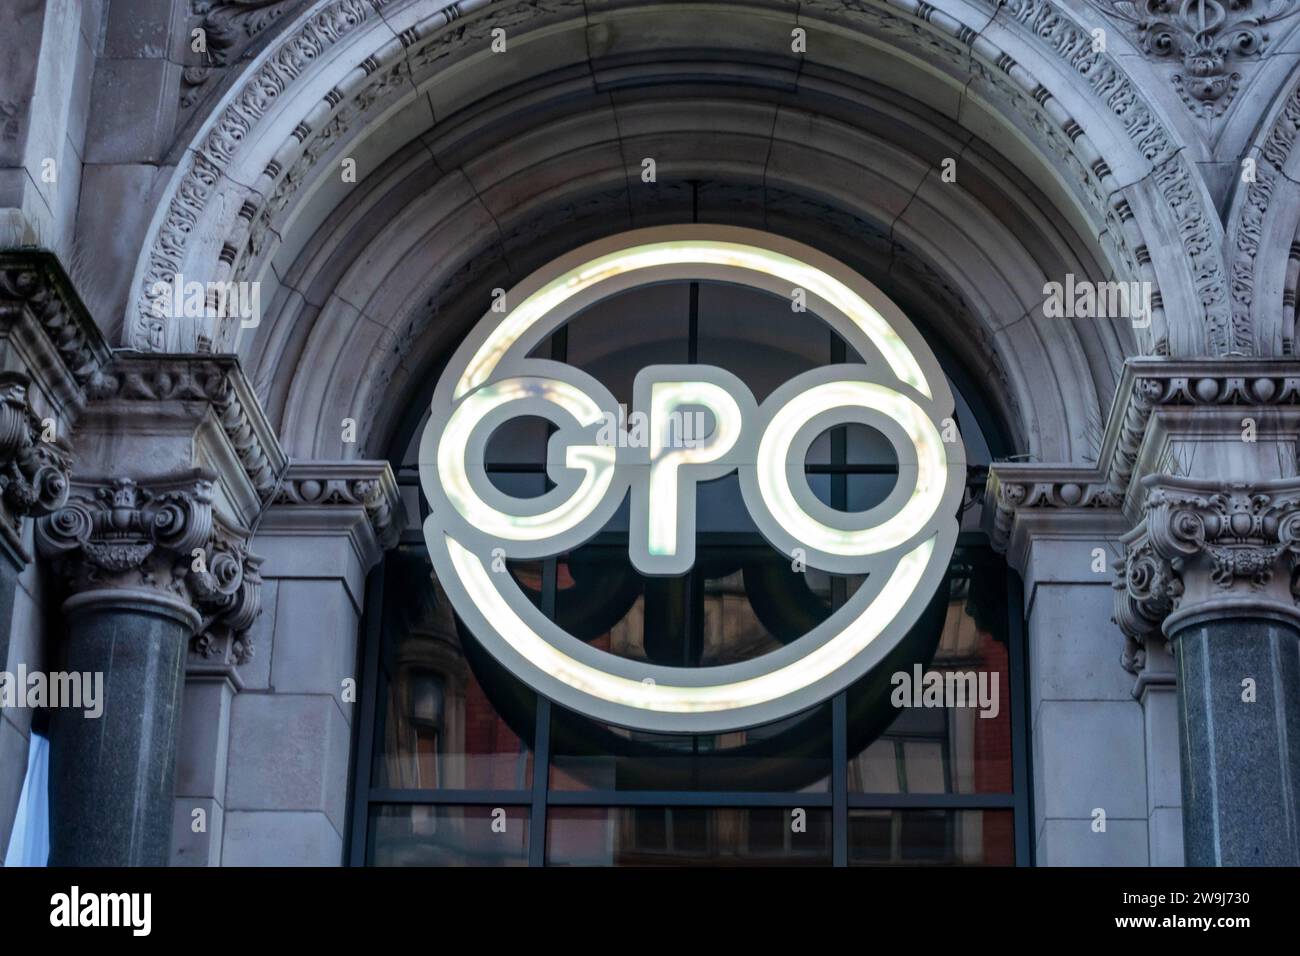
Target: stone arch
[413,314]
[1263,241]
[1089,179]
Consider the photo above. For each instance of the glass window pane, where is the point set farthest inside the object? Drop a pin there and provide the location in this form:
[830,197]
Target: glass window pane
[946,722]
[438,729]
[792,754]
[977,447]
[518,484]
[935,837]
[688,836]
[416,507]
[758,337]
[739,602]
[862,445]
[421,835]
[861,492]
[618,336]
[720,508]
[867,491]
[518,441]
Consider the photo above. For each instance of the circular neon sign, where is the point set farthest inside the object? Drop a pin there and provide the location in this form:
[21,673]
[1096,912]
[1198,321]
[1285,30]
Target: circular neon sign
[902,545]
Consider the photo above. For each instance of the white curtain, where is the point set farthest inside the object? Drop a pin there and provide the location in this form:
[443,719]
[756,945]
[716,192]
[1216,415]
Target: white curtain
[29,842]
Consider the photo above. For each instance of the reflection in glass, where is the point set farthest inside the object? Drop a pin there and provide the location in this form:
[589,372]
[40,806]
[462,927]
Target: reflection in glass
[616,337]
[415,835]
[792,754]
[946,749]
[738,603]
[688,836]
[757,337]
[440,730]
[936,837]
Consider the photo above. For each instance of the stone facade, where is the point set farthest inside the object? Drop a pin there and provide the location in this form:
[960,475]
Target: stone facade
[375,168]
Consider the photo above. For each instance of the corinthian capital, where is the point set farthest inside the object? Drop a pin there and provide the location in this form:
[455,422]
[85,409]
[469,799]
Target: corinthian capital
[33,472]
[1208,549]
[117,535]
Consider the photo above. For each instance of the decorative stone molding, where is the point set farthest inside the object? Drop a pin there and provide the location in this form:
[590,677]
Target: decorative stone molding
[1147,386]
[322,493]
[1207,37]
[1207,549]
[44,324]
[1015,488]
[1189,547]
[1251,207]
[231,27]
[220,140]
[33,472]
[213,190]
[1180,187]
[117,535]
[224,640]
[211,379]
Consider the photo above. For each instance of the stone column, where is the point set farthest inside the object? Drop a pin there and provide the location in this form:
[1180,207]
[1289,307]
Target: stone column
[148,565]
[50,352]
[175,463]
[1211,567]
[1204,595]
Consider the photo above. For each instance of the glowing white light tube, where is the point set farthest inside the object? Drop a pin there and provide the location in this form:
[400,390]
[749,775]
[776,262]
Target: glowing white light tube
[665,460]
[694,252]
[596,461]
[774,476]
[664,698]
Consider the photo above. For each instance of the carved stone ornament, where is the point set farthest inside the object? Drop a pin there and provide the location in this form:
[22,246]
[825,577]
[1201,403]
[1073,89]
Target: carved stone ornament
[1208,38]
[312,485]
[209,379]
[163,536]
[33,282]
[33,472]
[226,157]
[1207,548]
[230,27]
[1255,386]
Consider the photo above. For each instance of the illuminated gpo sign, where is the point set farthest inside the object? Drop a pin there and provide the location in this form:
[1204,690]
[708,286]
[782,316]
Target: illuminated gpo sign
[903,545]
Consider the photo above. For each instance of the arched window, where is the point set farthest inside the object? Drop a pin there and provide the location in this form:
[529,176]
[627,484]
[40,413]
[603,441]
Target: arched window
[461,763]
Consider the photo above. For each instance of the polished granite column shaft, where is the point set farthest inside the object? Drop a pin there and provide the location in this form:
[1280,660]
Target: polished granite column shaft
[111,777]
[1212,568]
[1240,741]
